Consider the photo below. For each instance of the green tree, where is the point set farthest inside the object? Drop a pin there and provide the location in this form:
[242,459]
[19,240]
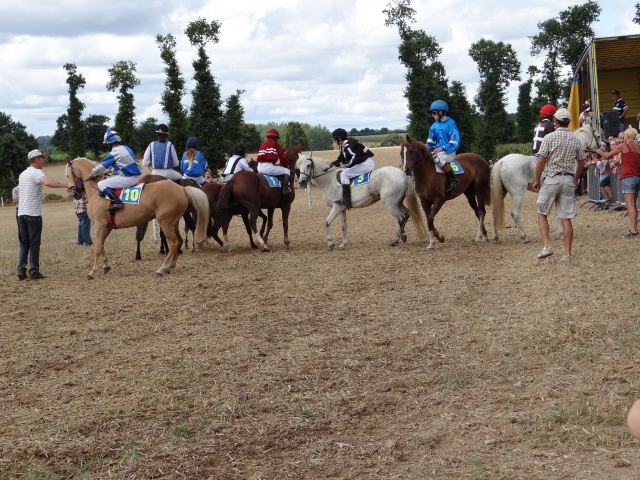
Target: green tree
[60,139]
[76,130]
[206,106]
[251,138]
[464,115]
[319,137]
[426,77]
[233,121]
[498,66]
[13,160]
[95,127]
[294,134]
[174,91]
[146,132]
[636,19]
[122,77]
[525,115]
[563,39]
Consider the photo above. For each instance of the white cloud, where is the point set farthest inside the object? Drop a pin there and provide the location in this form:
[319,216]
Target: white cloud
[330,63]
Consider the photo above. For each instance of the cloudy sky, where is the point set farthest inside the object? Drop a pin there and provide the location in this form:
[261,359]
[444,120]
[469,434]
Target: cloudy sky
[329,62]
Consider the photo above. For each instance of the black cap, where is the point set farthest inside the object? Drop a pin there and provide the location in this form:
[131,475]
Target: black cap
[238,150]
[162,129]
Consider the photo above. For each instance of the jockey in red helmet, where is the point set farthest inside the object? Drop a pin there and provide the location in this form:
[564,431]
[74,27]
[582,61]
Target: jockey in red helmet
[268,156]
[544,127]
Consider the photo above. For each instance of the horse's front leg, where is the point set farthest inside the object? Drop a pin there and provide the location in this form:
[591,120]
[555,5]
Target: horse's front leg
[269,224]
[285,224]
[431,210]
[327,225]
[102,231]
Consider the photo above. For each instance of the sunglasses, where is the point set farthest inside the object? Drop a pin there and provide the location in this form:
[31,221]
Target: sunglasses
[433,113]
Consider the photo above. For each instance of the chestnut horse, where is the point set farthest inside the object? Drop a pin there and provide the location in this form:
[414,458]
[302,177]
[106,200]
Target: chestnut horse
[165,201]
[250,192]
[430,185]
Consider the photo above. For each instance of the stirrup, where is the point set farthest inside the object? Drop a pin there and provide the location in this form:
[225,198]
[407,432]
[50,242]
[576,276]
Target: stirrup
[115,206]
[450,186]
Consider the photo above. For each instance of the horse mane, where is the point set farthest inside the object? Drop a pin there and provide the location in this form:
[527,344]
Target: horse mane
[321,163]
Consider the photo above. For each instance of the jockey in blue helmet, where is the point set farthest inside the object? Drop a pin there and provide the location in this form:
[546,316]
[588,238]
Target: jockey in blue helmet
[443,141]
[126,170]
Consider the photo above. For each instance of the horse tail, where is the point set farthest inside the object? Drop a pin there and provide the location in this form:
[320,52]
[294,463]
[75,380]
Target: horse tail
[414,207]
[199,201]
[497,198]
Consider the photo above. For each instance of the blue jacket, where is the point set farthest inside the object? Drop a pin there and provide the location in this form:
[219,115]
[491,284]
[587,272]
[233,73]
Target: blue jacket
[444,135]
[196,168]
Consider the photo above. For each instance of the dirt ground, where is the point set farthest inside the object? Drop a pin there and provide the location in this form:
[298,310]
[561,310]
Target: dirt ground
[475,361]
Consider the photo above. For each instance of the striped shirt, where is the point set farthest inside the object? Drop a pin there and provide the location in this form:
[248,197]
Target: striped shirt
[30,192]
[562,150]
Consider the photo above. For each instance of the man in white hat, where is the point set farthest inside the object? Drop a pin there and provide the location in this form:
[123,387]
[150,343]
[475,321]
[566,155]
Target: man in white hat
[30,197]
[562,161]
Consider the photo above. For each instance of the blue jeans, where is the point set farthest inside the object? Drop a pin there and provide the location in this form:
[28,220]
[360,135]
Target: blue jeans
[84,229]
[30,233]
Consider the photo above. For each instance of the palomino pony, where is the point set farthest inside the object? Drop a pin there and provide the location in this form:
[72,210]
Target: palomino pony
[474,183]
[514,174]
[388,184]
[189,222]
[165,201]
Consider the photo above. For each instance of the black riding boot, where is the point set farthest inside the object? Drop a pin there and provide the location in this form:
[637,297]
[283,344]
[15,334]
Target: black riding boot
[286,189]
[116,203]
[346,196]
[452,182]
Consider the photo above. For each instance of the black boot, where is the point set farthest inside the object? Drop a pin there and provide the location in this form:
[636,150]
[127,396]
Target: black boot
[452,182]
[286,189]
[346,196]
[116,203]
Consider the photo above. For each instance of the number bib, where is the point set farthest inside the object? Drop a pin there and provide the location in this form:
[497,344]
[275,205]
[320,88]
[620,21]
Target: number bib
[130,195]
[456,167]
[361,179]
[272,181]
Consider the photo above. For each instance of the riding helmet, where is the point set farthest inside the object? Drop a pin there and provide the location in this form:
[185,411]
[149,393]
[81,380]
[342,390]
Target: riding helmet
[273,133]
[192,142]
[439,105]
[238,150]
[162,129]
[339,133]
[547,110]
[111,137]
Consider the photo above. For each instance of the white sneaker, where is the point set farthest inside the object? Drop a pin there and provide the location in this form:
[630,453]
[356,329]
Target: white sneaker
[546,252]
[566,259]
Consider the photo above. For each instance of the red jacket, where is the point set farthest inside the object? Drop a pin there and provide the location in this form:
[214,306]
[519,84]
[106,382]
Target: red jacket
[271,152]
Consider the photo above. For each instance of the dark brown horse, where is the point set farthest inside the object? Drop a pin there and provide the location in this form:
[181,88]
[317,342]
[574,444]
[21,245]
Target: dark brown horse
[252,192]
[473,182]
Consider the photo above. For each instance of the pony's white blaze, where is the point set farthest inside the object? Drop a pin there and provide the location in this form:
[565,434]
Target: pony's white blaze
[514,174]
[388,184]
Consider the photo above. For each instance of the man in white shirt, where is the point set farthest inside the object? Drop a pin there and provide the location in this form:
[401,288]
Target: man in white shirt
[30,194]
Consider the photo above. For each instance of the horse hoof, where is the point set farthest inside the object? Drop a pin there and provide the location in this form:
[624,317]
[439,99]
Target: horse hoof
[89,277]
[526,240]
[331,247]
[106,269]
[265,249]
[403,238]
[160,273]
[441,238]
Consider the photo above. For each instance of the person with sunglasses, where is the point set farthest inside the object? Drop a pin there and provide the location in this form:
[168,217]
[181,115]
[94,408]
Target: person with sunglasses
[444,141]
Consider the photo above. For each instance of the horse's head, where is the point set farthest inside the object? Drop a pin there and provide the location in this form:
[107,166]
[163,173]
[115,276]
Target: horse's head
[412,153]
[589,138]
[305,165]
[78,170]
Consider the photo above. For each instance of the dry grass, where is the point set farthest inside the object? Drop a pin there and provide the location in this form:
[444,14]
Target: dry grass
[472,362]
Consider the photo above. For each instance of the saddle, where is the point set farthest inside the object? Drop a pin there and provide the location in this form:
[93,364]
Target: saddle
[355,181]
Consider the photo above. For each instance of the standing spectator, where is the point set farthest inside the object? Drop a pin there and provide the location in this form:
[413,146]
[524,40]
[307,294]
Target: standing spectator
[80,203]
[15,195]
[629,175]
[31,182]
[585,116]
[161,157]
[560,154]
[619,106]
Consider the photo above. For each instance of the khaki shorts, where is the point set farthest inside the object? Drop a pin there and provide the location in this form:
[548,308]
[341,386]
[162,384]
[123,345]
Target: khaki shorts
[557,190]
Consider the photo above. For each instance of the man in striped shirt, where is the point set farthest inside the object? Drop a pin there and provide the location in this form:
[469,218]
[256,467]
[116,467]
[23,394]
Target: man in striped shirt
[31,182]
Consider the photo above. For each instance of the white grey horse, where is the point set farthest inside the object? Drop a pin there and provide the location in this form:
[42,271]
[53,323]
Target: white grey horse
[514,174]
[388,184]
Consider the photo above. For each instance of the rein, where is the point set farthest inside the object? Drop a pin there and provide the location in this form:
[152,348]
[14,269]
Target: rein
[79,184]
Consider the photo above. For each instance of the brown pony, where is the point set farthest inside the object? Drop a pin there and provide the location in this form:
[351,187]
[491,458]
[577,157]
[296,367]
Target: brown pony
[165,201]
[474,183]
[251,191]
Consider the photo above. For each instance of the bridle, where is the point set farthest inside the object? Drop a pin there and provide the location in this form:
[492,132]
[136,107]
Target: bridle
[79,182]
[408,170]
[311,175]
